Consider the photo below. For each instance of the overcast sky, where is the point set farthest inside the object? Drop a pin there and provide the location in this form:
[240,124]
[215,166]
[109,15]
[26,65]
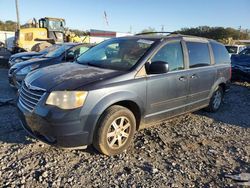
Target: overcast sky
[137,15]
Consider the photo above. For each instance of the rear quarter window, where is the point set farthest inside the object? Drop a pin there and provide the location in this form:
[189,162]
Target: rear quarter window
[198,53]
[221,55]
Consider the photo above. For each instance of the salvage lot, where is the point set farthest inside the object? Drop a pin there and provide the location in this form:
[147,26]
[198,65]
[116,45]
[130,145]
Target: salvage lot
[195,150]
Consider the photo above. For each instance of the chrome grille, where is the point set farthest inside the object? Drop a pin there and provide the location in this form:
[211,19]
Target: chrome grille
[29,98]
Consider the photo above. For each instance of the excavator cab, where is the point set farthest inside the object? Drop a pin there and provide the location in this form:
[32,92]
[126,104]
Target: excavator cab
[55,28]
[37,36]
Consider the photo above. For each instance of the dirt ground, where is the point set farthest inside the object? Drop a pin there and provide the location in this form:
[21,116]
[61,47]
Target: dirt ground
[194,150]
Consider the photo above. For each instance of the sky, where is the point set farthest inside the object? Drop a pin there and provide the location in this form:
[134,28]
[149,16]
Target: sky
[133,15]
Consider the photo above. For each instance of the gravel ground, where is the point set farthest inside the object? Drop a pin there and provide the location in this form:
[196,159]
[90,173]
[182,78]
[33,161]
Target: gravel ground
[194,150]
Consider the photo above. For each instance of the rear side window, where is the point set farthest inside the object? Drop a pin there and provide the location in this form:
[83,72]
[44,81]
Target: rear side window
[221,55]
[199,55]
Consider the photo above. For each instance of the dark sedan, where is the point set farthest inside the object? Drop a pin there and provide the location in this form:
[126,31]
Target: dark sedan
[65,53]
[24,56]
[241,65]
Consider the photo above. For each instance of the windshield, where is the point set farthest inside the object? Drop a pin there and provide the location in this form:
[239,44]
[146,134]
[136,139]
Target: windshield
[232,49]
[59,51]
[50,49]
[118,54]
[56,25]
[245,52]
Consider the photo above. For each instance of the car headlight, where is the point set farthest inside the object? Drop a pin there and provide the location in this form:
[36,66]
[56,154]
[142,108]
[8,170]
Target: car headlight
[27,69]
[18,60]
[67,99]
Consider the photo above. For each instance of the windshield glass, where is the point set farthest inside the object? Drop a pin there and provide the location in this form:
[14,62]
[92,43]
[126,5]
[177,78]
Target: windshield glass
[245,52]
[118,54]
[50,49]
[59,51]
[231,49]
[56,25]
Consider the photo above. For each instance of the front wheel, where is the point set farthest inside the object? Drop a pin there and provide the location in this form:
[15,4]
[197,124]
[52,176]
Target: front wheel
[216,100]
[115,130]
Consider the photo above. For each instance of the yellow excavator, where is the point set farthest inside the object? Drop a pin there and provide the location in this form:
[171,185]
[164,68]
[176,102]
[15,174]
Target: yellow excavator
[36,36]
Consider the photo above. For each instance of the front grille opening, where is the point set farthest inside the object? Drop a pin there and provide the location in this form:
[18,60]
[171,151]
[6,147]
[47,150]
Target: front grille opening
[29,98]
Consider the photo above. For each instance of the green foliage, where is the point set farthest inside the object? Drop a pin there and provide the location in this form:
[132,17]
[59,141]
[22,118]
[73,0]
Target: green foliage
[147,30]
[217,33]
[7,25]
[78,32]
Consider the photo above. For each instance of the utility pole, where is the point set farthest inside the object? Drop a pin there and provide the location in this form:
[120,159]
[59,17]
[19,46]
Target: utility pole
[239,32]
[162,28]
[17,14]
[130,29]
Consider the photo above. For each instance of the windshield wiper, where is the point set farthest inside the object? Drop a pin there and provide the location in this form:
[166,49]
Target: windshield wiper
[87,63]
[91,64]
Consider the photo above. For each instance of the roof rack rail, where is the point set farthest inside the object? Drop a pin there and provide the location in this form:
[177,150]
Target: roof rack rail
[163,32]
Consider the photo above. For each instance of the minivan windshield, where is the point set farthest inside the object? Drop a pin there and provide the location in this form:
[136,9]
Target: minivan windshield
[59,51]
[118,53]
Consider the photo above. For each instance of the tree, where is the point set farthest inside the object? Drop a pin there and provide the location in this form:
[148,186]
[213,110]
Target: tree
[148,30]
[7,25]
[217,33]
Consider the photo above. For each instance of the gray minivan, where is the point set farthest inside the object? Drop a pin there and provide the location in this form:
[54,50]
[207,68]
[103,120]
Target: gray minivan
[123,85]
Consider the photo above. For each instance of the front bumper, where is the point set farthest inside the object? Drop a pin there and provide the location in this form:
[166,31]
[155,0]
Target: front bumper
[58,129]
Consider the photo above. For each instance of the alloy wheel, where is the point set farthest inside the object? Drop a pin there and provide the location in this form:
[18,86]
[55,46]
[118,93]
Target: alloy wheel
[118,132]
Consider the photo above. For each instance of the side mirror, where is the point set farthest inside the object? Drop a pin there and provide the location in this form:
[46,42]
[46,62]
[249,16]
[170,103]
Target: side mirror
[70,57]
[158,67]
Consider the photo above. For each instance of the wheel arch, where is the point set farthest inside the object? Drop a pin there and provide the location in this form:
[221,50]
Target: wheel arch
[219,83]
[125,99]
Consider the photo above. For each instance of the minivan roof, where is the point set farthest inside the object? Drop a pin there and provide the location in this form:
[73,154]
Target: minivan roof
[176,36]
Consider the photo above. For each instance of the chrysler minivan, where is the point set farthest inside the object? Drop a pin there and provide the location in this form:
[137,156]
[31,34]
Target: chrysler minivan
[120,86]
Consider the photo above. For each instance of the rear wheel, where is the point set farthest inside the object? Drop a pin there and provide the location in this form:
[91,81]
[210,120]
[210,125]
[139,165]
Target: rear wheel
[115,130]
[40,46]
[216,100]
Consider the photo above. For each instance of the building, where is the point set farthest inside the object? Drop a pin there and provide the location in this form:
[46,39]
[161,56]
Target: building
[7,37]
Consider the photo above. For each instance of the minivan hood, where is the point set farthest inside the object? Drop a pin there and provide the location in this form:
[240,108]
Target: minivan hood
[67,76]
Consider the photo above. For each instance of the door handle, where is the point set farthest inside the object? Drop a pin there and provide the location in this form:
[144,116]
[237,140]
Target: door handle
[182,78]
[193,76]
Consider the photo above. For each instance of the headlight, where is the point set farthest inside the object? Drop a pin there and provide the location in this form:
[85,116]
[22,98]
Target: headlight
[27,69]
[18,60]
[67,99]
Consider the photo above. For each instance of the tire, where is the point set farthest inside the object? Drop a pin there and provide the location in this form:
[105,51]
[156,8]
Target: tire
[216,100]
[115,130]
[40,46]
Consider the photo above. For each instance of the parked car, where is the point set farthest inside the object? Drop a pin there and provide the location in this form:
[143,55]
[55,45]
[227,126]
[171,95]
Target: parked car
[241,65]
[4,56]
[106,95]
[24,56]
[235,49]
[65,53]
